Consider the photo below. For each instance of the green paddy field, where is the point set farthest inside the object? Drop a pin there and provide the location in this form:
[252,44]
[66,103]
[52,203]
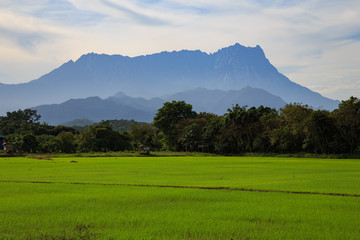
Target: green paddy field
[184,197]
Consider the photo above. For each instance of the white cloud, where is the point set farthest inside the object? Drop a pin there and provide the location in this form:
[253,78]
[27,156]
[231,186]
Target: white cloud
[315,42]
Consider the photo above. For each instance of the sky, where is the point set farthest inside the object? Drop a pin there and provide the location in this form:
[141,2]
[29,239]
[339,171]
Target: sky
[315,43]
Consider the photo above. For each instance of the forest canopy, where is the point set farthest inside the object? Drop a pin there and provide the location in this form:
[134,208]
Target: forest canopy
[295,128]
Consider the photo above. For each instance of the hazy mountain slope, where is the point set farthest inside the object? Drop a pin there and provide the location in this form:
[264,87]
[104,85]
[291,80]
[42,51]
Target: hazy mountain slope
[79,122]
[92,108]
[230,68]
[218,101]
[150,105]
[204,100]
[121,106]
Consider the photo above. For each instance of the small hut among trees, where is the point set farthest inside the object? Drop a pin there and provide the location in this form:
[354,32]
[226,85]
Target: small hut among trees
[2,142]
[144,149]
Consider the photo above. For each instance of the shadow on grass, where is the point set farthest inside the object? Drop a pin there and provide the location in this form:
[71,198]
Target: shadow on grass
[80,231]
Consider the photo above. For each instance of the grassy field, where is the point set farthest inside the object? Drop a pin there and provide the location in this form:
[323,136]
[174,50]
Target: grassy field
[192,197]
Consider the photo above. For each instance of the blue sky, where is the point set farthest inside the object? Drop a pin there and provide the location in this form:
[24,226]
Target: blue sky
[315,43]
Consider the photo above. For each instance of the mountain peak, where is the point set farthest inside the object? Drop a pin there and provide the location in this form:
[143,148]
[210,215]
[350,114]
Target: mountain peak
[238,47]
[239,57]
[120,95]
[88,56]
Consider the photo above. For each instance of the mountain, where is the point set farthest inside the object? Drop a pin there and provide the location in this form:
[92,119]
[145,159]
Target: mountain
[204,100]
[92,108]
[121,106]
[79,122]
[218,101]
[230,68]
[148,105]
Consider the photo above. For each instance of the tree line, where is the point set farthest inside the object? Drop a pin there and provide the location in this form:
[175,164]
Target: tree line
[295,128]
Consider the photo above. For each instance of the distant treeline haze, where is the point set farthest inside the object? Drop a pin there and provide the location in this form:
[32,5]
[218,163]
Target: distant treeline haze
[176,127]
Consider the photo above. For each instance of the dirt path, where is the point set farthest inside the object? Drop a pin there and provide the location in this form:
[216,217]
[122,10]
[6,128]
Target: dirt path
[189,187]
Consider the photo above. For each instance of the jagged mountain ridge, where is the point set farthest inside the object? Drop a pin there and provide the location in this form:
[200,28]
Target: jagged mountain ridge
[230,68]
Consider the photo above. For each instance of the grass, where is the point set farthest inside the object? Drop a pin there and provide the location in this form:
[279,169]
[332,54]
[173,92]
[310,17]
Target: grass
[182,154]
[117,154]
[72,211]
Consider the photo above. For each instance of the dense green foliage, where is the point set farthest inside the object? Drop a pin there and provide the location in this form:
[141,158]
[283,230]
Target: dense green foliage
[169,116]
[295,128]
[119,125]
[101,138]
[78,123]
[23,130]
[101,206]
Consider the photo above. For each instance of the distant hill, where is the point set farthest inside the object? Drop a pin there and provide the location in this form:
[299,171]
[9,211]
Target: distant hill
[92,108]
[121,106]
[165,73]
[204,100]
[82,122]
[218,101]
[120,125]
[149,105]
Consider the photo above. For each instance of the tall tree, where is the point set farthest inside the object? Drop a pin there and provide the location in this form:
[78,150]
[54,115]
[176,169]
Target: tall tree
[29,143]
[321,130]
[66,142]
[245,127]
[168,116]
[26,115]
[101,138]
[293,131]
[347,118]
[143,134]
[212,131]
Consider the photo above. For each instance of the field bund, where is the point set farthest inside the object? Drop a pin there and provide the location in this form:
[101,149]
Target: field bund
[179,198]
